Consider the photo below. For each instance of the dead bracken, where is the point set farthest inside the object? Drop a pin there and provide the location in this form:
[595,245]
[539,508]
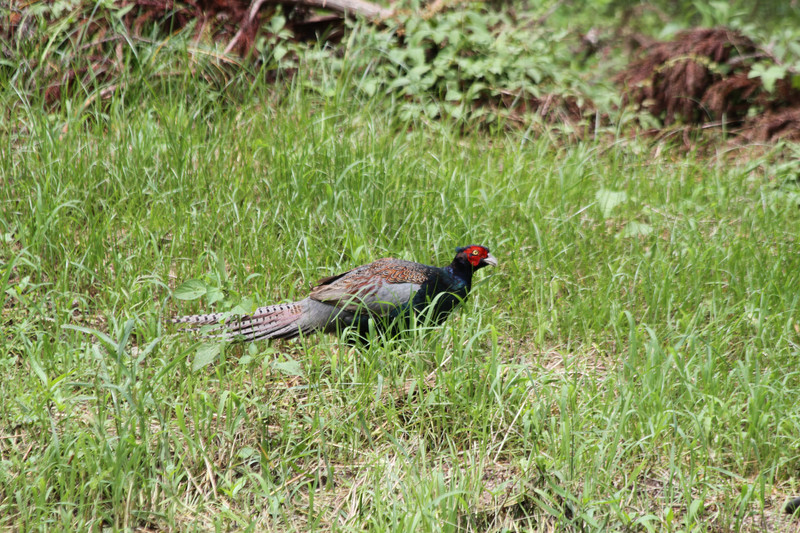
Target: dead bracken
[706,76]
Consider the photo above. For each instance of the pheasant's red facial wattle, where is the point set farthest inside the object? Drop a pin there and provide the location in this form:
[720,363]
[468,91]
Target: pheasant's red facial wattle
[475,254]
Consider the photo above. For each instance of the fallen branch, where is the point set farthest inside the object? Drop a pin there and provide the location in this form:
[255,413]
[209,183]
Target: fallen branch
[357,7]
[254,7]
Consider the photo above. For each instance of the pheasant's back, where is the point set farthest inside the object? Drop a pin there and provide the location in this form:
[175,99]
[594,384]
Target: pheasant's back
[385,281]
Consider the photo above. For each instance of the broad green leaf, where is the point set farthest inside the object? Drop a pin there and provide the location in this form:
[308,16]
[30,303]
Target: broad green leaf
[694,508]
[796,81]
[190,290]
[213,295]
[370,86]
[416,58]
[245,307]
[205,355]
[399,82]
[768,74]
[290,367]
[416,73]
[453,94]
[39,371]
[608,200]
[276,23]
[635,229]
[247,452]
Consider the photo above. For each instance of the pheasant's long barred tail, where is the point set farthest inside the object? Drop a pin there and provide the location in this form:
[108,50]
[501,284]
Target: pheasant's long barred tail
[269,322]
[199,320]
[381,291]
[280,321]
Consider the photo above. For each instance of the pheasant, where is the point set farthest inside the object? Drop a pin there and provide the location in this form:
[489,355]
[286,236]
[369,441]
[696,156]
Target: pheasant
[384,291]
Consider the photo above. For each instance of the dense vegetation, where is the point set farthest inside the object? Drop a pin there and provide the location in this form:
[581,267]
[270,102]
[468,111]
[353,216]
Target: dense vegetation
[631,365]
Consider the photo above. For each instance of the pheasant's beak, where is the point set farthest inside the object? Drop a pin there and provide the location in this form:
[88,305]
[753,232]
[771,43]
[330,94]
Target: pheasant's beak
[489,260]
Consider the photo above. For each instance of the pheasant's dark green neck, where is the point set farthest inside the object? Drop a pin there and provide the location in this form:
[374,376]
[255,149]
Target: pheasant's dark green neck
[462,272]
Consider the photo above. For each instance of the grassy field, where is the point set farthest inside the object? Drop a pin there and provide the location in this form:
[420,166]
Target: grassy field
[631,365]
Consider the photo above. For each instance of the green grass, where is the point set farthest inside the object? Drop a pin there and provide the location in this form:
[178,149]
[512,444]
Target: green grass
[607,376]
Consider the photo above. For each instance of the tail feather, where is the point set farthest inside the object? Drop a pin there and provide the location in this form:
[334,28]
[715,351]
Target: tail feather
[281,321]
[271,322]
[199,320]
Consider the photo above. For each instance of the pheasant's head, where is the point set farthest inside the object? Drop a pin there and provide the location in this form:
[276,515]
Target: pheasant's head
[475,255]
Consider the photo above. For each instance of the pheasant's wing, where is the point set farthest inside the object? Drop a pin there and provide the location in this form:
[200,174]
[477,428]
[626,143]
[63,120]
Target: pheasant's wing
[379,286]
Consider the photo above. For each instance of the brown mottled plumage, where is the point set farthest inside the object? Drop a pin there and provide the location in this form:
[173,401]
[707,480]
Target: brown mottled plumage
[382,291]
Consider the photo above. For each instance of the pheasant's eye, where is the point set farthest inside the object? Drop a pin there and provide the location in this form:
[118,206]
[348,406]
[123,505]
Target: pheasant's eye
[475,251]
